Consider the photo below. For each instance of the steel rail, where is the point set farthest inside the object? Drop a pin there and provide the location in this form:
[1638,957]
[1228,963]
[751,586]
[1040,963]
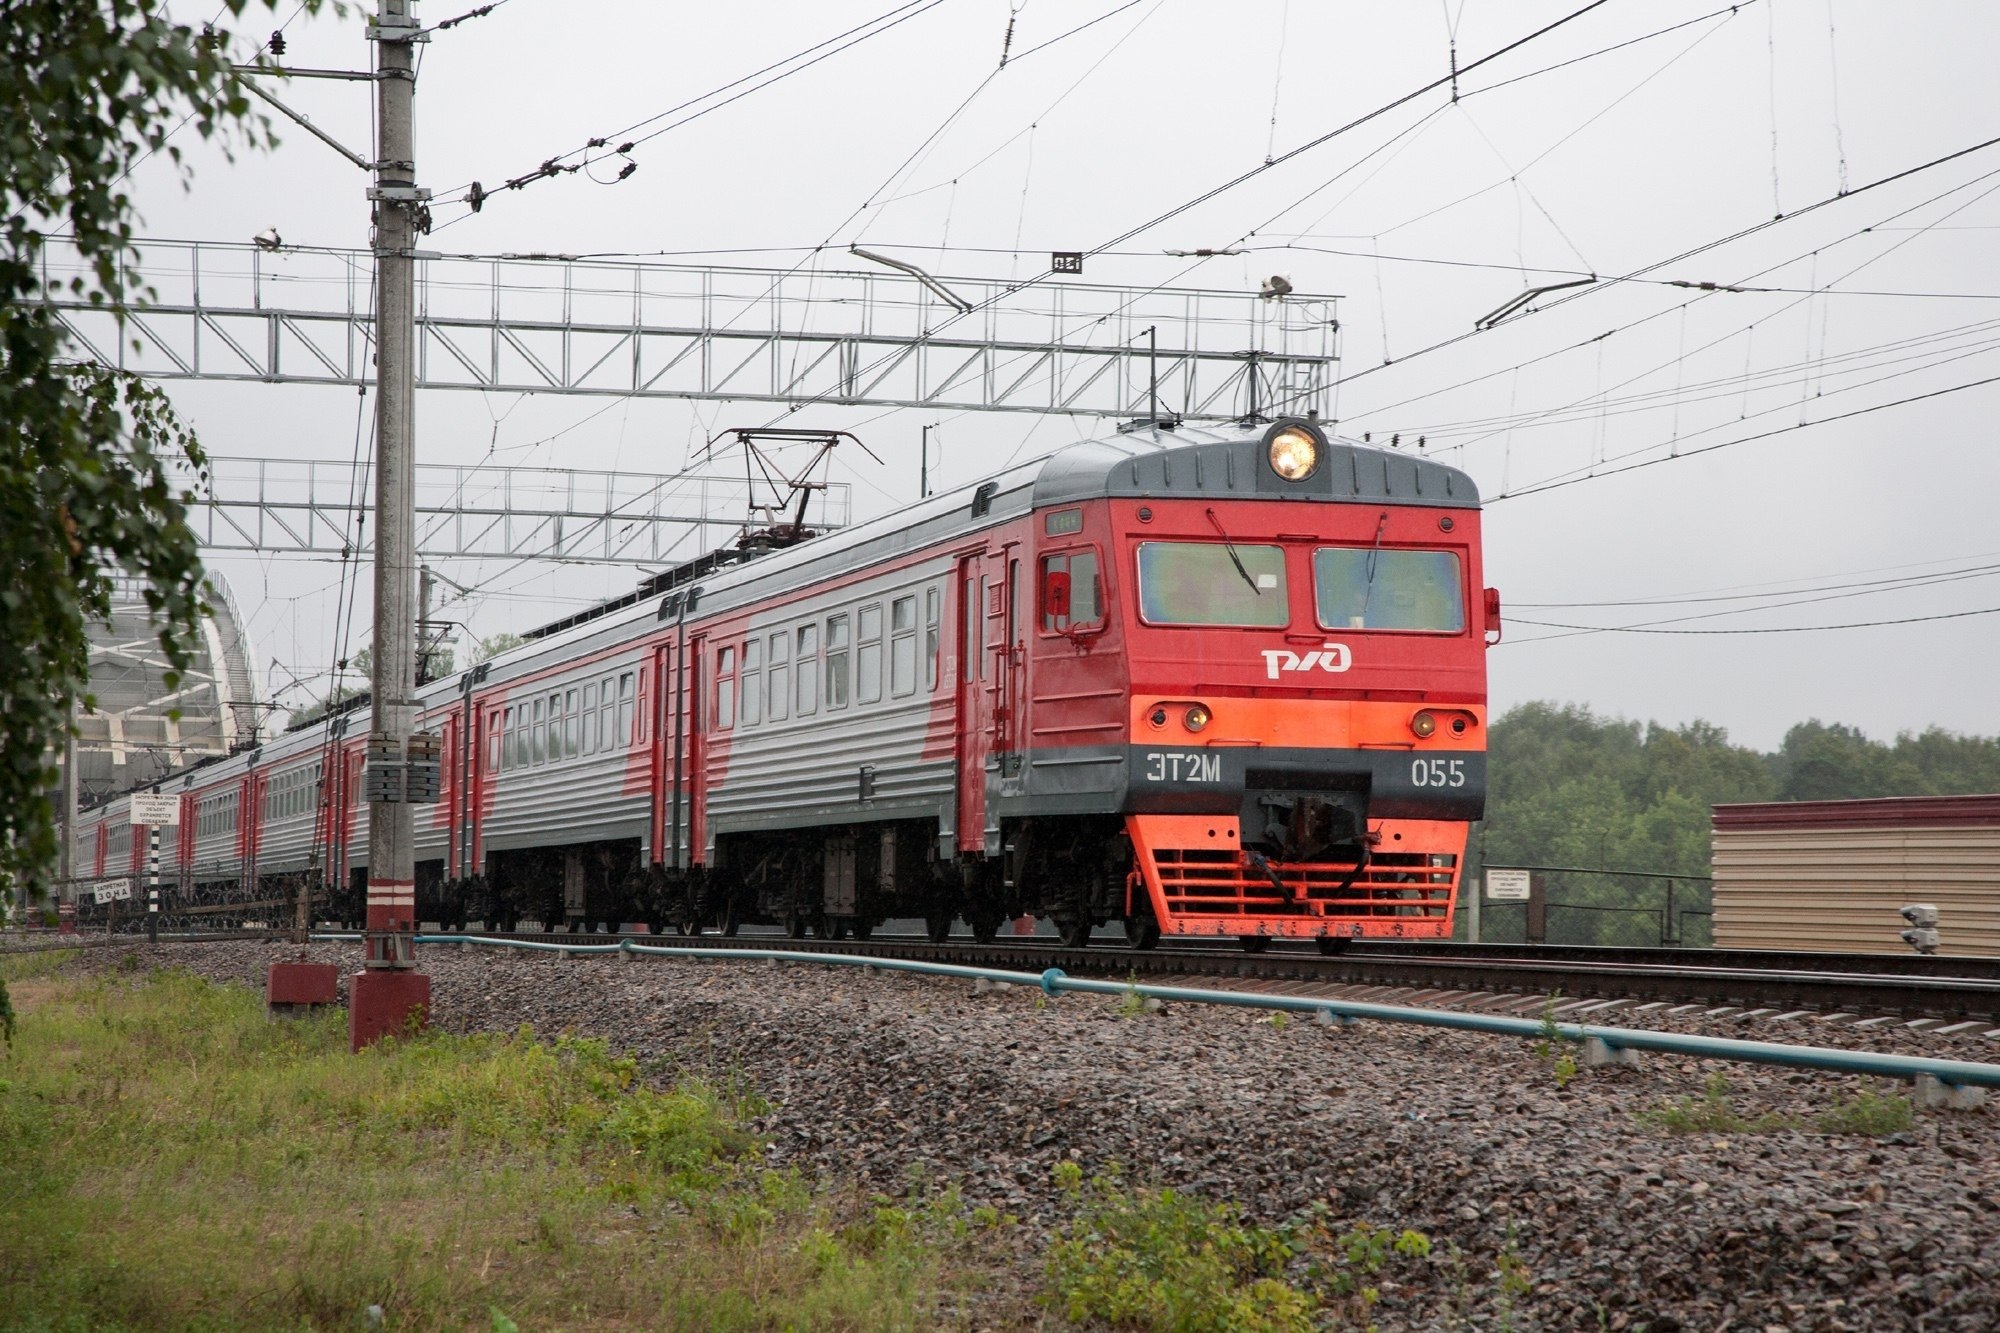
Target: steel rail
[1054,982]
[1751,987]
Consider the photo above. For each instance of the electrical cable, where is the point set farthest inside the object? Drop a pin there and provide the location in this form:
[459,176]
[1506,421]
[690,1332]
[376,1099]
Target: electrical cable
[1333,134]
[1684,255]
[1747,439]
[1772,587]
[1748,629]
[1658,314]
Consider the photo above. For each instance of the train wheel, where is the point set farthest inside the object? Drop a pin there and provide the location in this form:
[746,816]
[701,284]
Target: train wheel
[863,928]
[1074,932]
[1332,944]
[985,927]
[795,926]
[1254,943]
[832,927]
[1142,932]
[937,927]
[729,919]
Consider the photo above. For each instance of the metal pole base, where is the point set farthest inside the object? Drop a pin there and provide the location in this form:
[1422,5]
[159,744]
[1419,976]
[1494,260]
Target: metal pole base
[386,1002]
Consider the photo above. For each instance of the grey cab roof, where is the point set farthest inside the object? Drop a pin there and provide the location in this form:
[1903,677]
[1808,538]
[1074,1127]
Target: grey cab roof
[1157,462]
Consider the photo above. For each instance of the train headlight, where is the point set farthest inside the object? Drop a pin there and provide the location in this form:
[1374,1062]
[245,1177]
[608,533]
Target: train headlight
[1197,717]
[1424,724]
[1294,452]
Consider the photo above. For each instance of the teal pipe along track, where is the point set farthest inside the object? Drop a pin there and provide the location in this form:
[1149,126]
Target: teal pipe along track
[1055,982]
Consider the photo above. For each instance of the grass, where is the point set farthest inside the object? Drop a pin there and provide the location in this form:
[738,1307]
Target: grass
[169,1158]
[1715,1112]
[1563,1062]
[1164,1261]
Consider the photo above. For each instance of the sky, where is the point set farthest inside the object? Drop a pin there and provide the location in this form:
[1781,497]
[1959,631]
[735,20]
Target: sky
[1687,485]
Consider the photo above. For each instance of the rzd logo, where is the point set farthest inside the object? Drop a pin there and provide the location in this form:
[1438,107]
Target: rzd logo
[1326,657]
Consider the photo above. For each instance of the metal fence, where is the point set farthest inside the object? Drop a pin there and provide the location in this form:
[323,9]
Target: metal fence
[1578,905]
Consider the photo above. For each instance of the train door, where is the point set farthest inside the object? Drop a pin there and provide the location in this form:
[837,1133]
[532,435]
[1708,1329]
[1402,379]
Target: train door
[666,831]
[974,669]
[695,771]
[250,825]
[485,772]
[184,839]
[1004,643]
[460,741]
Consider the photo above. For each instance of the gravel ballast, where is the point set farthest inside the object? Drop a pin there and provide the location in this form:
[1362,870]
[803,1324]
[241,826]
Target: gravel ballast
[1471,1139]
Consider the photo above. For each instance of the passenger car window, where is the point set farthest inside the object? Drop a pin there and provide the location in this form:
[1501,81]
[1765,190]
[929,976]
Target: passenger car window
[836,662]
[868,655]
[903,646]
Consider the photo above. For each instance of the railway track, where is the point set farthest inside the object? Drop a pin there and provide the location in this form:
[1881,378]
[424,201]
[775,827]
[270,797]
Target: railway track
[1911,988]
[1757,983]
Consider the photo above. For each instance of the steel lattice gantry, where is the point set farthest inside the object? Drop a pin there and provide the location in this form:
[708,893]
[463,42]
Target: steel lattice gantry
[295,506]
[557,325]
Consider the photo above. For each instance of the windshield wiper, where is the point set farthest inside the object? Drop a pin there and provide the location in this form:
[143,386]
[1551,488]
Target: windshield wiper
[1235,559]
[1374,552]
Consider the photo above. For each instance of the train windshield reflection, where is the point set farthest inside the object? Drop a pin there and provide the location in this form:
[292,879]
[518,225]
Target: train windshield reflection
[1212,583]
[1361,587]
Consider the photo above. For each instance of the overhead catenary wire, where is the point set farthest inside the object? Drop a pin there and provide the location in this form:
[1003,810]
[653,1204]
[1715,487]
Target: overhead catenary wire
[1643,320]
[1684,255]
[1562,483]
[1747,629]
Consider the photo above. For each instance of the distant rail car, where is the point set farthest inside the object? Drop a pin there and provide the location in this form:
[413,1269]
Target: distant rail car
[1200,682]
[1835,875]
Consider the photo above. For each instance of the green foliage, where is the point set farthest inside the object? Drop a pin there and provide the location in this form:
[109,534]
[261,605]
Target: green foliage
[1167,1262]
[95,468]
[1866,1113]
[1131,1004]
[170,1158]
[1548,1034]
[1713,1112]
[1561,1060]
[1572,789]
[493,645]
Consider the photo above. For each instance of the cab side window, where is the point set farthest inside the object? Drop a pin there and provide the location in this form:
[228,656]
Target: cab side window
[1071,597]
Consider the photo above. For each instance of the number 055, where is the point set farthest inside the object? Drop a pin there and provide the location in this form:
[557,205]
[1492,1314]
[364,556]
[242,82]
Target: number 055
[1437,772]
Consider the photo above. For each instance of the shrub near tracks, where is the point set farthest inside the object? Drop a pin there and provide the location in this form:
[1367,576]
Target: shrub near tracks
[171,1158]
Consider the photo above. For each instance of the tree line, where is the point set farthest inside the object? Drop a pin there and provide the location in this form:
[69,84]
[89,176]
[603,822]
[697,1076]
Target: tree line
[1568,788]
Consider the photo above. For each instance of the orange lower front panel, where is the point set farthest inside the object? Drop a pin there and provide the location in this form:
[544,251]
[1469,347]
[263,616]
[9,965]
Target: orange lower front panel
[1202,882]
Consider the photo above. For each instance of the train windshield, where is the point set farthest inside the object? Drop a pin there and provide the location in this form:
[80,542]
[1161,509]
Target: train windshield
[1212,583]
[1362,587]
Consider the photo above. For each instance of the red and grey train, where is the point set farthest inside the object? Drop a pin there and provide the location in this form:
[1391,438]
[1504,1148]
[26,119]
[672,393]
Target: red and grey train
[1201,682]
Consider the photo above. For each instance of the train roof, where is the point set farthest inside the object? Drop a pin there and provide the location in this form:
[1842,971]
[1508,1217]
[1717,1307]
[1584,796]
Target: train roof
[1156,462]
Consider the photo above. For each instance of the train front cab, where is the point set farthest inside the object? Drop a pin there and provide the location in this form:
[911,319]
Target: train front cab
[1307,704]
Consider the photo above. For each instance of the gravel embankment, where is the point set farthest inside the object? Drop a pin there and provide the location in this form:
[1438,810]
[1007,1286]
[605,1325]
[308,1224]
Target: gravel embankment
[1466,1138]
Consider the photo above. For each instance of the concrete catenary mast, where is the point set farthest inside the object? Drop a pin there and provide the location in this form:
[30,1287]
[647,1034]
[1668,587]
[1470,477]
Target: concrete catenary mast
[389,990]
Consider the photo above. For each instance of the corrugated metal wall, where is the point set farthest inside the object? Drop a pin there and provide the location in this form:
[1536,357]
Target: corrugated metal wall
[1838,889]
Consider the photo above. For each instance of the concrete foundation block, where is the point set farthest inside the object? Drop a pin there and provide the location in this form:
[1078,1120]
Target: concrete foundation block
[1934,1094]
[385,1002]
[1599,1053]
[291,989]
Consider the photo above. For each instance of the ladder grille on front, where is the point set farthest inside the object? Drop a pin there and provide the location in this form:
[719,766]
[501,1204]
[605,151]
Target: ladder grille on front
[1221,882]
